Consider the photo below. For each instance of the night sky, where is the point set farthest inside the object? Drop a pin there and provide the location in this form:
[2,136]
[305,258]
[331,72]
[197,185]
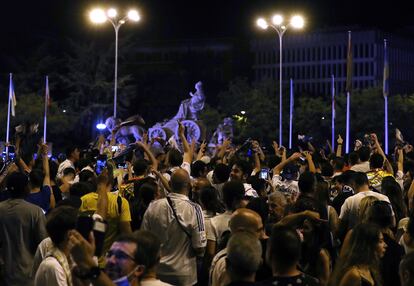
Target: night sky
[26,24]
[22,22]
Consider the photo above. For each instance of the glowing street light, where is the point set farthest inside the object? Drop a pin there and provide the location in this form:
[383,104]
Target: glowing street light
[100,126]
[99,16]
[277,23]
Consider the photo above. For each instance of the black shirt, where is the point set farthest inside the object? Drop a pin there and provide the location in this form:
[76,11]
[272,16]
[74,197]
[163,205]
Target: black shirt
[391,262]
[298,280]
[241,283]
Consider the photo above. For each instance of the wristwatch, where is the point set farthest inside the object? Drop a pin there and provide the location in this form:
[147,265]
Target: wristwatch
[90,274]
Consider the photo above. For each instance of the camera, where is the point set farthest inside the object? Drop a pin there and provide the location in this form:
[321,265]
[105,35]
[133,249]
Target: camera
[12,154]
[122,166]
[264,173]
[100,163]
[85,224]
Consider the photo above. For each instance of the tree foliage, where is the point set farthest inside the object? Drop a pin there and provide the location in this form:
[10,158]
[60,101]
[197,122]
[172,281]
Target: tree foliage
[312,114]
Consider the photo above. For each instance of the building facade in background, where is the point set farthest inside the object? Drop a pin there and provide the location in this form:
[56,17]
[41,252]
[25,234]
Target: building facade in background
[310,58]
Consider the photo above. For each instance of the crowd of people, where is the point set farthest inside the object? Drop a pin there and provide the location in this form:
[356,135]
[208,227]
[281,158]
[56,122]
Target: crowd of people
[176,213]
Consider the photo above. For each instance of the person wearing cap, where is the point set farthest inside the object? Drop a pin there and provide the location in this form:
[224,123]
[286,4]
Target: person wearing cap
[22,228]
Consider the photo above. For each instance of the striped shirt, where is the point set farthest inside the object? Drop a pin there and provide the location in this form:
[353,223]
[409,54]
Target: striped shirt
[177,258]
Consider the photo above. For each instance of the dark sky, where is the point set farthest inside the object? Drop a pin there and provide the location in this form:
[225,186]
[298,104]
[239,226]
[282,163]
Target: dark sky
[21,21]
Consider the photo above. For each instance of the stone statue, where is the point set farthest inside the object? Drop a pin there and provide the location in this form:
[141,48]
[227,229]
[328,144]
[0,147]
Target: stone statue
[130,126]
[189,108]
[224,131]
[187,113]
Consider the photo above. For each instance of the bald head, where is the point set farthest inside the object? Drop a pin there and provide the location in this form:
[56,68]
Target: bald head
[246,220]
[180,181]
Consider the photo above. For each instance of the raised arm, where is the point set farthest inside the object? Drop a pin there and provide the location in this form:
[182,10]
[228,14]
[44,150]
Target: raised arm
[276,148]
[400,163]
[339,147]
[311,164]
[258,150]
[387,164]
[202,150]
[163,180]
[279,167]
[147,151]
[223,148]
[188,156]
[103,187]
[296,219]
[43,150]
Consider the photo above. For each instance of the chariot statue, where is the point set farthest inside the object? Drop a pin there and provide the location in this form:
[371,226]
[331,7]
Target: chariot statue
[125,130]
[224,131]
[187,114]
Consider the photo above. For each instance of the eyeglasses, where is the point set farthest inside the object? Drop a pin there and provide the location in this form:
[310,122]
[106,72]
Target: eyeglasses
[119,255]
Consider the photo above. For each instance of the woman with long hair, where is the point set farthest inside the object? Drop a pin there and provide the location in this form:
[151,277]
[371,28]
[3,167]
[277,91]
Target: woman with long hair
[360,264]
[393,191]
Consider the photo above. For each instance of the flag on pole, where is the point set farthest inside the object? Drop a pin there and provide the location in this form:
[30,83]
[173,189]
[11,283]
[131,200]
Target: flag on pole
[349,65]
[386,91]
[12,97]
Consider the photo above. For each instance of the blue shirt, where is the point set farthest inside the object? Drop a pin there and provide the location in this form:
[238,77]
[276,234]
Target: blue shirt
[41,198]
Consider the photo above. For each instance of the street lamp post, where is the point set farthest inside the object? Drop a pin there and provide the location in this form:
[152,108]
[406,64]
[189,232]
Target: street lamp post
[98,16]
[276,23]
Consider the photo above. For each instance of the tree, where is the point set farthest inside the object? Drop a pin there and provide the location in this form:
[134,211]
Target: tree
[88,81]
[30,109]
[258,105]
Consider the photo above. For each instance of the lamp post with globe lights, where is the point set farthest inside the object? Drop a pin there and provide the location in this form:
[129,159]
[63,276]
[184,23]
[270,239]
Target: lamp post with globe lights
[100,16]
[277,23]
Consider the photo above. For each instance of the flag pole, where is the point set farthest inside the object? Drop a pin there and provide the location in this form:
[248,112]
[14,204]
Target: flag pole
[386,124]
[292,102]
[348,90]
[348,103]
[45,116]
[385,90]
[8,116]
[333,112]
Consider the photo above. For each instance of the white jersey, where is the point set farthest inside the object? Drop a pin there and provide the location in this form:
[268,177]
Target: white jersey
[177,258]
[219,224]
[350,208]
[289,188]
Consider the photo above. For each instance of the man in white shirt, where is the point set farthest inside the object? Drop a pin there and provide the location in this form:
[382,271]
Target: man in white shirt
[240,171]
[218,177]
[72,156]
[288,183]
[179,224]
[55,269]
[243,220]
[176,160]
[363,165]
[349,210]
